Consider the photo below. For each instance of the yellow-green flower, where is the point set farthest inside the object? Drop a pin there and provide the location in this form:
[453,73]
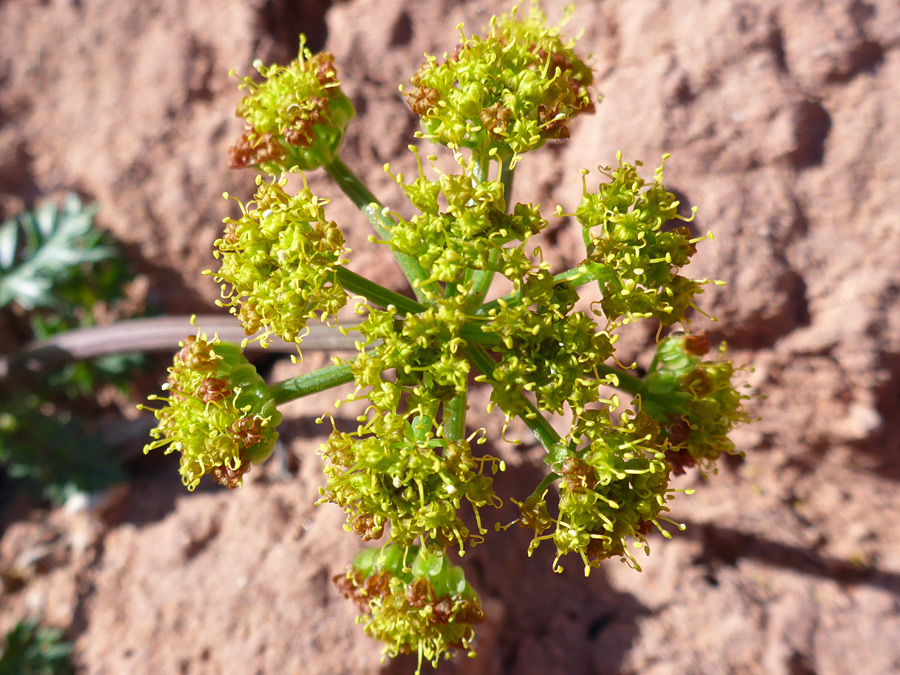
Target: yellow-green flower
[507,93]
[625,232]
[278,263]
[414,601]
[296,118]
[218,413]
[613,488]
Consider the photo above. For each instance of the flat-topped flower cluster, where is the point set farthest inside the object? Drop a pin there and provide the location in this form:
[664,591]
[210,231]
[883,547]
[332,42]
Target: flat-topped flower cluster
[407,470]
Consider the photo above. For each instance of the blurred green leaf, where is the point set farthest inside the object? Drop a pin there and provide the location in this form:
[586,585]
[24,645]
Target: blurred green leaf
[32,649]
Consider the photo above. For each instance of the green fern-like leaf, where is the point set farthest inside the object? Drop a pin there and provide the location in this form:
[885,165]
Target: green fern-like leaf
[46,248]
[32,649]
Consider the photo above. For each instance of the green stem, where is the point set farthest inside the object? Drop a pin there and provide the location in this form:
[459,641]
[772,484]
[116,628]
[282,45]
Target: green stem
[549,480]
[532,417]
[375,292]
[366,202]
[384,297]
[310,383]
[577,276]
[481,279]
[455,417]
[627,383]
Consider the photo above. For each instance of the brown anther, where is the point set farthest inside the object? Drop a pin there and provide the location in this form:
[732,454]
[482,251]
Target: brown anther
[230,235]
[231,478]
[680,461]
[495,119]
[326,73]
[251,322]
[645,426]
[596,550]
[534,515]
[553,127]
[697,383]
[196,357]
[470,612]
[248,430]
[252,150]
[378,585]
[679,430]
[213,390]
[423,100]
[579,474]
[443,611]
[556,59]
[419,593]
[697,343]
[366,527]
[416,79]
[348,583]
[300,134]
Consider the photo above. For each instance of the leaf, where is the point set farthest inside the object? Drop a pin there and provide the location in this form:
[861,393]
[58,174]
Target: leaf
[46,248]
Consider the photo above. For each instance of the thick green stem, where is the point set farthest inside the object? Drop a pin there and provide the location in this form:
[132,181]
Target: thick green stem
[481,279]
[360,195]
[310,383]
[375,292]
[627,383]
[455,417]
[532,417]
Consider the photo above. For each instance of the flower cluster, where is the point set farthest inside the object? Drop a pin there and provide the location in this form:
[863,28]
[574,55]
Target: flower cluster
[218,413]
[413,600]
[399,466]
[505,94]
[693,400]
[547,348]
[623,230]
[279,261]
[613,487]
[296,118]
[463,226]
[405,469]
[396,471]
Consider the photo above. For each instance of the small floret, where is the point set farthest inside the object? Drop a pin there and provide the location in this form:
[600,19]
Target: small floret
[296,118]
[414,601]
[218,413]
[507,93]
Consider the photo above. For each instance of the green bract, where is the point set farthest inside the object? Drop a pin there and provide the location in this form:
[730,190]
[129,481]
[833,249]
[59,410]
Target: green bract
[218,413]
[296,118]
[278,263]
[504,94]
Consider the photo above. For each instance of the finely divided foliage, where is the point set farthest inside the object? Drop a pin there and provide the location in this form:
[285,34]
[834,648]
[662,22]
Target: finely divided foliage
[408,472]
